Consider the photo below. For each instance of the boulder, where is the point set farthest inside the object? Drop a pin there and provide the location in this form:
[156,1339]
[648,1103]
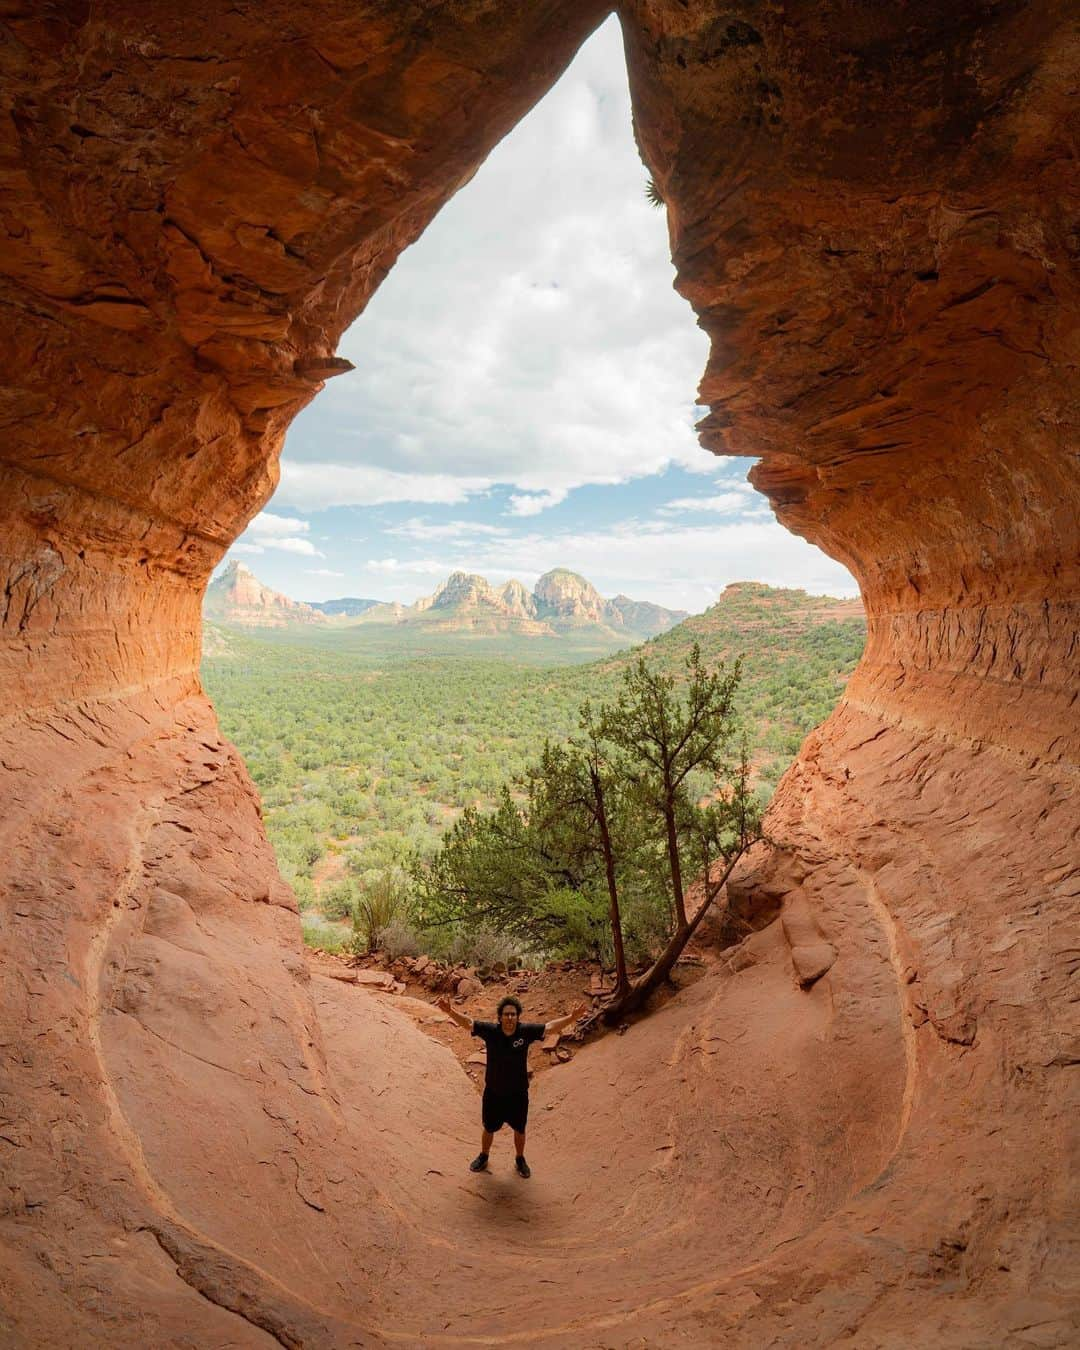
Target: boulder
[373,979]
[811,961]
[811,954]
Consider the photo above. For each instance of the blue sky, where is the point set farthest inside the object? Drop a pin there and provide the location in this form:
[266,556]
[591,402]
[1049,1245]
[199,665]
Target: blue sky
[524,396]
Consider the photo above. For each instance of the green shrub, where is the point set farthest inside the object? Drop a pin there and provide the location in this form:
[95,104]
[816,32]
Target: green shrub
[304,890]
[483,948]
[322,718]
[398,938]
[384,897]
[585,932]
[339,901]
[323,937]
[646,924]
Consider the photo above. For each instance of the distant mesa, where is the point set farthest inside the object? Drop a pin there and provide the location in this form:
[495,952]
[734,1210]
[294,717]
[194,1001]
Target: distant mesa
[238,597]
[562,602]
[349,605]
[748,607]
[751,595]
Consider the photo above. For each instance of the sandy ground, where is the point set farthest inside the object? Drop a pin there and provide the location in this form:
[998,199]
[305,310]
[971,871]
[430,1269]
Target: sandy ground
[649,1189]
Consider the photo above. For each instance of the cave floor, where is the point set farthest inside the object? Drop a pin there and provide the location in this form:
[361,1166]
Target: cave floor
[668,1163]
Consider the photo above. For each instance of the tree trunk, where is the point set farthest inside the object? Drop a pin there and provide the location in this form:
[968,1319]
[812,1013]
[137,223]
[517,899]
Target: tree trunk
[662,967]
[622,983]
[673,861]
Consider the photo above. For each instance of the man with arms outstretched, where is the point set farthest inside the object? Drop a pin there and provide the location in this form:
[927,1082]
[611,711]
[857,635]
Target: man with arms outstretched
[506,1080]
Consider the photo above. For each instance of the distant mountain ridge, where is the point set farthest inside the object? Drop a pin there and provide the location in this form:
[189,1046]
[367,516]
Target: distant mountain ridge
[761,623]
[561,602]
[348,605]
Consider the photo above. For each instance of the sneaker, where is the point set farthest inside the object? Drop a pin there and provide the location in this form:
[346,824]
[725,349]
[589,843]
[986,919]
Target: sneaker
[522,1167]
[479,1163]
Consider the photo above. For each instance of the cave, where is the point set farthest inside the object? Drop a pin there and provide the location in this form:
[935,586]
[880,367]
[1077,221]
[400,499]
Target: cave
[872,212]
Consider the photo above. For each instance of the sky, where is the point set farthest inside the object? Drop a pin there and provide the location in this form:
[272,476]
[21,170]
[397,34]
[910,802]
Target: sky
[523,396]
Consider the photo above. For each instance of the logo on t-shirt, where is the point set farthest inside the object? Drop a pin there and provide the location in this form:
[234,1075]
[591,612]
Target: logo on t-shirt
[519,1042]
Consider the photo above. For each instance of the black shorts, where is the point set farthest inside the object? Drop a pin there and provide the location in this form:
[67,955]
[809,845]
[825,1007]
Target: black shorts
[505,1108]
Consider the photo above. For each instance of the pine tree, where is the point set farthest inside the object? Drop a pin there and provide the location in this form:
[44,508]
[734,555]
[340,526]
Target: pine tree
[618,806]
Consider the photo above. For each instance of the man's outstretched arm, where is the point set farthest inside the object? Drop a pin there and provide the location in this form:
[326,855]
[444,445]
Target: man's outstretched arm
[444,1005]
[561,1023]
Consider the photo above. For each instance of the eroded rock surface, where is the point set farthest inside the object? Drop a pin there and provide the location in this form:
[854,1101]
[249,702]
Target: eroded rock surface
[873,212]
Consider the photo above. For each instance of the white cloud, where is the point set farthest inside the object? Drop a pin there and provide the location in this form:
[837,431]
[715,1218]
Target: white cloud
[533,504]
[321,572]
[420,567]
[418,528]
[645,559]
[531,337]
[725,503]
[304,546]
[267,525]
[284,533]
[316,486]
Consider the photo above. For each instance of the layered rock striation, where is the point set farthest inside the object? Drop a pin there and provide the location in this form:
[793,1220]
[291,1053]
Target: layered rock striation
[872,211]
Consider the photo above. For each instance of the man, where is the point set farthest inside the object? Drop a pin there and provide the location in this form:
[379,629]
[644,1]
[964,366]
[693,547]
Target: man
[506,1080]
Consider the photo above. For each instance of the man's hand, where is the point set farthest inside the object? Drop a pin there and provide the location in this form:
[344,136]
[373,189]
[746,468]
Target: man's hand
[561,1023]
[444,1006]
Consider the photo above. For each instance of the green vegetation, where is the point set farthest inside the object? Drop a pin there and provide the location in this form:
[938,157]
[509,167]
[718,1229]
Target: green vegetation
[375,644]
[327,937]
[366,752]
[615,817]
[382,903]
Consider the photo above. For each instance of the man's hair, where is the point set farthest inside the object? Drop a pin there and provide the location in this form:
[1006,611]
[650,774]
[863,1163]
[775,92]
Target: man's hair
[509,1002]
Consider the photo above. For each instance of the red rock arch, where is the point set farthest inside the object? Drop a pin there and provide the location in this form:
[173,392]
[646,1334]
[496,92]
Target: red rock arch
[873,214]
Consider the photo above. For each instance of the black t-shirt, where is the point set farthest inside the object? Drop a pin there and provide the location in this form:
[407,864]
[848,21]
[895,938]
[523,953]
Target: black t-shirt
[507,1056]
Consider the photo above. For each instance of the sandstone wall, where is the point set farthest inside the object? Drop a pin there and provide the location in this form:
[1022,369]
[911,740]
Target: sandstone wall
[196,201]
[881,246]
[873,213]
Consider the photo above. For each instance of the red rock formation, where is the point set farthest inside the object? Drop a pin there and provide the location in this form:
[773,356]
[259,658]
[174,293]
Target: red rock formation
[881,248]
[569,598]
[518,600]
[237,596]
[563,602]
[873,212]
[467,601]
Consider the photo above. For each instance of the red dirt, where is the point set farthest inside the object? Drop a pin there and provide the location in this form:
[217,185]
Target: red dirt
[545,994]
